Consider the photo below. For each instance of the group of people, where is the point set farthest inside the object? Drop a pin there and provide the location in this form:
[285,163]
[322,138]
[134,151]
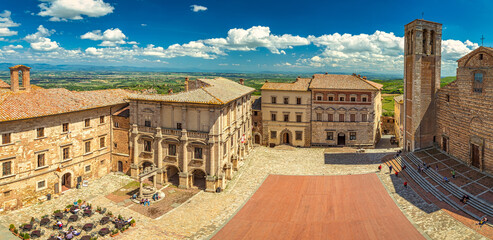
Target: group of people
[69,234]
[145,201]
[155,196]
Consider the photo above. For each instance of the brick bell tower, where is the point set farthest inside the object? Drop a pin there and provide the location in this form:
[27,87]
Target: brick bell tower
[422,65]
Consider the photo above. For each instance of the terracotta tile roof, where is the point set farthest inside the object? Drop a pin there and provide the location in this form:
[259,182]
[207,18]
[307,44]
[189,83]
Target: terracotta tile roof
[301,84]
[343,82]
[214,91]
[399,98]
[4,84]
[43,102]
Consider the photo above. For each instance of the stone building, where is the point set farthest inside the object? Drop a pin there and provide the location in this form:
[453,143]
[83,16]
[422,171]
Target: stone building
[286,113]
[422,64]
[465,111]
[121,148]
[52,139]
[194,138]
[257,130]
[325,110]
[399,119]
[345,110]
[388,123]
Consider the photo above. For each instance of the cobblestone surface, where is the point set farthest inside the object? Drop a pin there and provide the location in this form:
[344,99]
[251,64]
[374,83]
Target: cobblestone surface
[205,213]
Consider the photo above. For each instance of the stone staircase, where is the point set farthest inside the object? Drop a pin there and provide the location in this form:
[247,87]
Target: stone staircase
[411,162]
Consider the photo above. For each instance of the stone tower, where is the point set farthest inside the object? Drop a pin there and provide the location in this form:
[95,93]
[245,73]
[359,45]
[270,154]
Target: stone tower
[422,61]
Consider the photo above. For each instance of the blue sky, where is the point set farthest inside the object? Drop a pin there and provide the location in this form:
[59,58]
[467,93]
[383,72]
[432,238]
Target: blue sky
[251,36]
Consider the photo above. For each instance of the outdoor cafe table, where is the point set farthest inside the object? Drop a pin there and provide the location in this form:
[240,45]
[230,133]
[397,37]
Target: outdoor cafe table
[73,218]
[44,221]
[58,215]
[36,233]
[88,227]
[27,227]
[104,220]
[87,212]
[73,208]
[86,237]
[104,231]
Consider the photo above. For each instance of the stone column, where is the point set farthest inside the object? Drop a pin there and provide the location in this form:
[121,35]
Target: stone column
[140,189]
[184,174]
[235,162]
[134,172]
[159,149]
[184,117]
[210,183]
[229,172]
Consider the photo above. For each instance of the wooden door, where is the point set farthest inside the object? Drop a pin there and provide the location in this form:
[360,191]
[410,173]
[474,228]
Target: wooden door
[475,156]
[444,144]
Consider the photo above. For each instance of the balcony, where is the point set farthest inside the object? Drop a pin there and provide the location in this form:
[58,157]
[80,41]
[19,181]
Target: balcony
[147,129]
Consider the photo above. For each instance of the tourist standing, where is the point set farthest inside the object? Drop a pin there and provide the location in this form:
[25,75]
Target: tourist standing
[396,174]
[453,173]
[436,167]
[379,168]
[390,169]
[405,184]
[482,221]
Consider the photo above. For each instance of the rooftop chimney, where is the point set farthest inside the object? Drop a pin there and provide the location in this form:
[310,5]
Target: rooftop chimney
[359,75]
[14,80]
[186,84]
[242,81]
[326,73]
[364,77]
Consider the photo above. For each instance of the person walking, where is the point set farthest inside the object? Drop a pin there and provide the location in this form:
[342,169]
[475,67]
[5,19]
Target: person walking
[453,173]
[390,169]
[396,174]
[482,221]
[436,167]
[405,184]
[380,168]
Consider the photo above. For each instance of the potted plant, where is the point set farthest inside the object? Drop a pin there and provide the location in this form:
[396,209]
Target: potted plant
[26,236]
[16,232]
[98,209]
[132,223]
[114,232]
[79,202]
[11,227]
[110,214]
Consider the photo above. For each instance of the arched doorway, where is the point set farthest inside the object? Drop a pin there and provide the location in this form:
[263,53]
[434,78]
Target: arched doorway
[120,166]
[341,139]
[66,181]
[172,175]
[257,139]
[286,138]
[198,179]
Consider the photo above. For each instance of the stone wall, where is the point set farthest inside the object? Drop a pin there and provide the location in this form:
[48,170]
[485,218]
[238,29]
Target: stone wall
[464,117]
[121,148]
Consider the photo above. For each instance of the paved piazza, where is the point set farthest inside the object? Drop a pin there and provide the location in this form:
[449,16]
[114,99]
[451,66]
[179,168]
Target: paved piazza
[206,213]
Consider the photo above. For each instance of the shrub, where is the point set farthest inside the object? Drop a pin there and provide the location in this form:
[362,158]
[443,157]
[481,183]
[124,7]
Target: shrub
[16,231]
[119,217]
[110,213]
[11,226]
[79,201]
[56,211]
[69,206]
[26,236]
[133,221]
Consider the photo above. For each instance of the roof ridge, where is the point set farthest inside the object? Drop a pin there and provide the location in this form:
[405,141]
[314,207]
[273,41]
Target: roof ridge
[213,96]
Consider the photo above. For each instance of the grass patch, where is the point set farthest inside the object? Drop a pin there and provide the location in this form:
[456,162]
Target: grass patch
[388,105]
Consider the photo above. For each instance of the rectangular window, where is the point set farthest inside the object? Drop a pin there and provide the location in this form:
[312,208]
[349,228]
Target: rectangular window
[331,98]
[65,127]
[87,146]
[102,142]
[478,83]
[299,135]
[66,153]
[147,146]
[353,99]
[274,100]
[117,124]
[298,118]
[352,117]
[178,126]
[273,117]
[255,124]
[331,118]
[330,136]
[101,119]
[319,116]
[41,184]
[298,101]
[363,99]
[197,153]
[6,168]
[87,122]
[341,99]
[286,117]
[6,138]
[273,134]
[41,160]
[341,117]
[172,150]
[352,136]
[87,168]
[319,98]
[255,113]
[364,118]
[286,100]
[40,132]
[447,98]
[147,123]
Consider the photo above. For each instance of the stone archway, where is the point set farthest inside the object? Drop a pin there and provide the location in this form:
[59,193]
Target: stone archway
[173,175]
[198,179]
[66,181]
[258,139]
[286,137]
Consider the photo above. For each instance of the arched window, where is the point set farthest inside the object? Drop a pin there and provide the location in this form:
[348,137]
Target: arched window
[478,83]
[425,41]
[432,42]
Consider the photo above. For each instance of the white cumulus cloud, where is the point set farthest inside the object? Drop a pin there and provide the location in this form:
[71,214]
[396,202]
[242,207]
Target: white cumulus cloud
[63,10]
[110,37]
[198,8]
[40,42]
[6,23]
